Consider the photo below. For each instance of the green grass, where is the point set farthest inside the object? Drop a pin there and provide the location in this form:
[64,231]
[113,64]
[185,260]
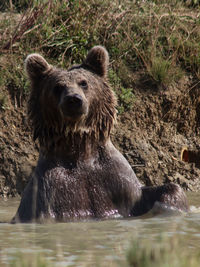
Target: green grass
[160,40]
[31,260]
[13,78]
[164,72]
[125,95]
[165,252]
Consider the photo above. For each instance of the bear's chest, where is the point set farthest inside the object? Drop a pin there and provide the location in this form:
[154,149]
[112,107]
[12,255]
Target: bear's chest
[77,193]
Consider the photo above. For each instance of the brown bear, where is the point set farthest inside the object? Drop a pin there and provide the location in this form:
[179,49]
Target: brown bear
[80,174]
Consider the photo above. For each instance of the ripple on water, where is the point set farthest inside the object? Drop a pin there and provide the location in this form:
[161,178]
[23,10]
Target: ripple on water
[194,209]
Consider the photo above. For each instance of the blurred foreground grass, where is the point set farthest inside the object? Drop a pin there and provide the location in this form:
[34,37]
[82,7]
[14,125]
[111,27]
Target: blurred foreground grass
[164,252]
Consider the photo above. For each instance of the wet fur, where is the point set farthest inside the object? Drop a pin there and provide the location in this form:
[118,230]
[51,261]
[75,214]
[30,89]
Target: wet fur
[80,174]
[48,125]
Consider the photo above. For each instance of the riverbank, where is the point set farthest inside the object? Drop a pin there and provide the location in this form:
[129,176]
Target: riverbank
[155,70]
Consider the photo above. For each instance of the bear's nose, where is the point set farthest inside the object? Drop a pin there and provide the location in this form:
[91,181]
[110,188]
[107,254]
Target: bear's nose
[74,101]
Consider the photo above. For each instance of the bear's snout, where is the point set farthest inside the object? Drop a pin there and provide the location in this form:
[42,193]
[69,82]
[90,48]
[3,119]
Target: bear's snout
[74,101]
[73,106]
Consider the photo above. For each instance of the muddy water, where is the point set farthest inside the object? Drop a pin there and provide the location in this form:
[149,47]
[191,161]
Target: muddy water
[91,243]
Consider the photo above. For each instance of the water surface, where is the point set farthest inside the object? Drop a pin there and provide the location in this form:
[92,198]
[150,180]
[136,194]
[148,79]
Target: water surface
[93,242]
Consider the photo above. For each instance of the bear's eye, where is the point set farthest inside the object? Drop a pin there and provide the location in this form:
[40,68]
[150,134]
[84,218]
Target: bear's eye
[83,84]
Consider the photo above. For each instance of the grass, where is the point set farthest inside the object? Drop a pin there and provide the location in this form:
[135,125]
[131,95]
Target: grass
[32,260]
[125,95]
[158,39]
[163,72]
[166,252]
[14,80]
[163,252]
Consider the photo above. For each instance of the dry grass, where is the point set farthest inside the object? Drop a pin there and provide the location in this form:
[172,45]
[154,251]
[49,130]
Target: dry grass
[159,39]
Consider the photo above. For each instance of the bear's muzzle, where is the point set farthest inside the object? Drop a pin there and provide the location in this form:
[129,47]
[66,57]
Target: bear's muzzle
[73,106]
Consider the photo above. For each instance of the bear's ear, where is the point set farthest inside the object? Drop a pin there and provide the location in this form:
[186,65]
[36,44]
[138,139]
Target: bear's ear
[36,66]
[97,60]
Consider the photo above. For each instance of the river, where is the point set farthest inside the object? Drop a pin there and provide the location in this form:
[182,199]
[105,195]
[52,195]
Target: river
[93,243]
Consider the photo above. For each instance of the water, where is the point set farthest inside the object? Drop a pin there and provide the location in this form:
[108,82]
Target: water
[90,243]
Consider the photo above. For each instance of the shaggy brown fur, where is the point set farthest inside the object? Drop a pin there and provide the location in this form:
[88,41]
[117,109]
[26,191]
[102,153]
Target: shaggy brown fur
[44,114]
[80,174]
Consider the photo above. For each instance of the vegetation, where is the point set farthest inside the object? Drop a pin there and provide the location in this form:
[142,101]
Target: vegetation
[163,252]
[125,95]
[161,41]
[30,260]
[166,252]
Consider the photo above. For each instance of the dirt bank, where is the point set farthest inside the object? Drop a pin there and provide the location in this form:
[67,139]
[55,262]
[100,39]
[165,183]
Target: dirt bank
[150,135]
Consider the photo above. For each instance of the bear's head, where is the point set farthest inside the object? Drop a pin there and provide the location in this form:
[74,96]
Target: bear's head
[68,102]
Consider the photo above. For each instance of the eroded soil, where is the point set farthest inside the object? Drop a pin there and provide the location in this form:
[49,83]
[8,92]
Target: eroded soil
[152,135]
